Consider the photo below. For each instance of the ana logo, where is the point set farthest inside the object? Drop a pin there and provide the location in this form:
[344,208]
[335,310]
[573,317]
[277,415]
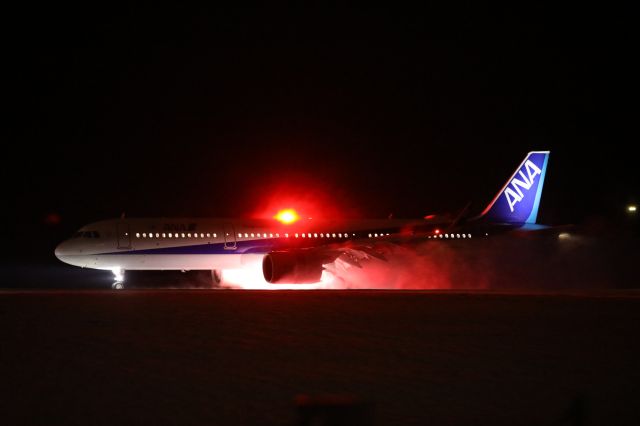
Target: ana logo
[513,192]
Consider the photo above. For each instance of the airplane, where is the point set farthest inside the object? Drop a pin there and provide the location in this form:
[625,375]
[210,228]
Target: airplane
[291,250]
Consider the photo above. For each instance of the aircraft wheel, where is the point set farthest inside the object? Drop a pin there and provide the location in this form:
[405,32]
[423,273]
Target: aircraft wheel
[117,285]
[216,277]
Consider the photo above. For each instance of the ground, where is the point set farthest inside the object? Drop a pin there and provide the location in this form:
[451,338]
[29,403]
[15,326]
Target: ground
[254,358]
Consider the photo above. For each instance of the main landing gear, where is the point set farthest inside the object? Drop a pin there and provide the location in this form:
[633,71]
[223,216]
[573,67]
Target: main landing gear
[216,278]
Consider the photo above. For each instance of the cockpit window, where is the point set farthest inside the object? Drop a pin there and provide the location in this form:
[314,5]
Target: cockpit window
[86,234]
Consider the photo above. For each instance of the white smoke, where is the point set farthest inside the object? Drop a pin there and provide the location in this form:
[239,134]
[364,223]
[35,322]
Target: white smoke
[549,262]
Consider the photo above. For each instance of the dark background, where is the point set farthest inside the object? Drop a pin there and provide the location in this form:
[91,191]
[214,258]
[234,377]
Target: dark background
[165,112]
[157,111]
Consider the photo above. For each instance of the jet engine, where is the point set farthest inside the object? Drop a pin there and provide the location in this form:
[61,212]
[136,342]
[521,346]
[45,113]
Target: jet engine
[293,267]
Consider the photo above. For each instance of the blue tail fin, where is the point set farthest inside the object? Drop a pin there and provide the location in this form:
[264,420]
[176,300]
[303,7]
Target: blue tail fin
[519,199]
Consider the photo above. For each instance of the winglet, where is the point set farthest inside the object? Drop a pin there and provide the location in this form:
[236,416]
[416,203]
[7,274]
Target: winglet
[519,199]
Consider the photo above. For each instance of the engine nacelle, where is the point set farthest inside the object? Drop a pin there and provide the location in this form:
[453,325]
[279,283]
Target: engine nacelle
[297,267]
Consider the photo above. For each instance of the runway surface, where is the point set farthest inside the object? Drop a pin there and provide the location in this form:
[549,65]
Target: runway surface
[241,358]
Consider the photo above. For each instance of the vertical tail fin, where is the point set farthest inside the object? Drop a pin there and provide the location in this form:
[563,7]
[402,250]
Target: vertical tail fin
[519,199]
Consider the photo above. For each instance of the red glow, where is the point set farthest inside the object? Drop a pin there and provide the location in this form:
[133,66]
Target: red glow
[429,217]
[287,216]
[52,219]
[250,278]
[431,265]
[437,231]
[307,198]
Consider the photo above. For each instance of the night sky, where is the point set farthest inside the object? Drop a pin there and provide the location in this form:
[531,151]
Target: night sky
[184,112]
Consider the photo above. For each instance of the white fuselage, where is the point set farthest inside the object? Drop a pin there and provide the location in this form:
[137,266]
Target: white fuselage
[207,244]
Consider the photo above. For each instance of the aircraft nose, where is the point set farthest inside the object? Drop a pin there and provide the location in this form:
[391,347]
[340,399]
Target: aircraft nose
[61,250]
[67,252]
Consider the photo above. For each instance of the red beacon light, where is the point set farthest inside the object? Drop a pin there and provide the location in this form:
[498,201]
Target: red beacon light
[437,231]
[287,216]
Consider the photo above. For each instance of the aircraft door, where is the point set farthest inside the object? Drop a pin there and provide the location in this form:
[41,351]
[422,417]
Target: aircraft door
[124,236]
[229,237]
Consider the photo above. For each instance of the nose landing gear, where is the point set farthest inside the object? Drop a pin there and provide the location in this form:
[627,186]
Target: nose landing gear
[118,276]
